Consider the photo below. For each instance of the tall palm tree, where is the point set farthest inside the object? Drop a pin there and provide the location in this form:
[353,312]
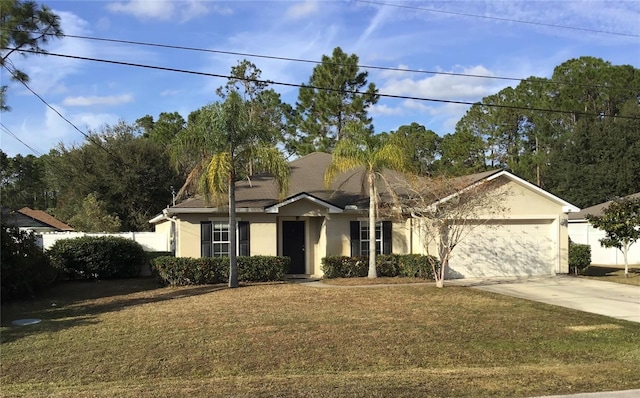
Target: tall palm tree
[224,137]
[374,155]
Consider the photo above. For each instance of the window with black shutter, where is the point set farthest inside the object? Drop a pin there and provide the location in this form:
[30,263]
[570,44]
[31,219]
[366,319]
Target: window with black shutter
[243,238]
[205,239]
[359,233]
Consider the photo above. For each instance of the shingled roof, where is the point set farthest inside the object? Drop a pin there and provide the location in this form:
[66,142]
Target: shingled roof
[597,210]
[307,177]
[45,218]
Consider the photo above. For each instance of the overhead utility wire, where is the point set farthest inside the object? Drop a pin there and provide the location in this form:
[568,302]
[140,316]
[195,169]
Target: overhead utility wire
[5,129]
[191,72]
[88,137]
[374,67]
[548,25]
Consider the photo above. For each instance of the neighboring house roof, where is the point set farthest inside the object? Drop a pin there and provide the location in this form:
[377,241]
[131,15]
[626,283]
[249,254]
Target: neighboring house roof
[260,193]
[597,210]
[29,218]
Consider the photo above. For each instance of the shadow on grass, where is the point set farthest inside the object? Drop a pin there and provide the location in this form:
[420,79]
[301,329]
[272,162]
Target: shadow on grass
[603,270]
[77,303]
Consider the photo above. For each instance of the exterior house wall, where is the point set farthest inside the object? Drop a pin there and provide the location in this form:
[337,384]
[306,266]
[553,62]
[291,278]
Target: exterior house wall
[528,212]
[581,231]
[262,231]
[523,208]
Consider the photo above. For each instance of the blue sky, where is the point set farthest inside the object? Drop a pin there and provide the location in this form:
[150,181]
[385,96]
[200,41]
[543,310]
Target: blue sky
[419,35]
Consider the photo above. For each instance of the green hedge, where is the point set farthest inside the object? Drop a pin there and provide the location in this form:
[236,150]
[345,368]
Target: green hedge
[403,265]
[102,257]
[579,257]
[181,271]
[24,268]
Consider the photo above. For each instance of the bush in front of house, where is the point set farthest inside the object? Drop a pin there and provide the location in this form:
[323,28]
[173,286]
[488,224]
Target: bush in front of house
[24,268]
[417,265]
[345,267]
[391,265]
[98,257]
[182,271]
[579,257]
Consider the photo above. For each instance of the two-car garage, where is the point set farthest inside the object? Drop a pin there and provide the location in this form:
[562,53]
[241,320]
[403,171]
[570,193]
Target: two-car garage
[507,248]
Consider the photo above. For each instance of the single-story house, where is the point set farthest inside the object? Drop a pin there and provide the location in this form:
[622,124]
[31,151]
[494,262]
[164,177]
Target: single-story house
[313,222]
[33,220]
[581,231]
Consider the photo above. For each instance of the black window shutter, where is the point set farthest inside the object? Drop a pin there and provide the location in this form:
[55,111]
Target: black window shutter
[355,238]
[243,238]
[205,239]
[386,237]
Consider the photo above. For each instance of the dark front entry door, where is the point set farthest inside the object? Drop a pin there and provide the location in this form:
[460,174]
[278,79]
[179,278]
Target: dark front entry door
[293,245]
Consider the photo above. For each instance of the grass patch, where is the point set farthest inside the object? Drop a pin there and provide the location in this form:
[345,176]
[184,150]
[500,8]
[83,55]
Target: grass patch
[129,339]
[612,273]
[364,281]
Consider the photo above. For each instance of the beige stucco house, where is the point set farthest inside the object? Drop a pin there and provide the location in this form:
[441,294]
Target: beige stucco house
[530,238]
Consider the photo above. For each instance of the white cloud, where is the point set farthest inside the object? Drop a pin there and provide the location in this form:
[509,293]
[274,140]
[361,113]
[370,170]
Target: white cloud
[56,129]
[385,110]
[378,20]
[165,10]
[110,100]
[169,93]
[302,9]
[444,86]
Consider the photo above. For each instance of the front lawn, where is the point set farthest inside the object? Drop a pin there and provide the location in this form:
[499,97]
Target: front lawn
[127,339]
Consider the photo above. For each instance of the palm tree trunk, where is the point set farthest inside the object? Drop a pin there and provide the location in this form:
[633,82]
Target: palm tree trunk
[373,273]
[233,259]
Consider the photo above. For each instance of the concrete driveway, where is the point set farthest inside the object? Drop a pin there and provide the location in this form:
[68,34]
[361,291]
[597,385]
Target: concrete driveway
[605,298]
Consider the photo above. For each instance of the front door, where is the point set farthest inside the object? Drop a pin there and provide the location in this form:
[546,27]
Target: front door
[293,245]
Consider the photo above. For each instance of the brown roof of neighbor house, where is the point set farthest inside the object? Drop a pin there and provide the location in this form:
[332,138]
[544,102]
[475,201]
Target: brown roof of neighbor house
[307,176]
[45,218]
[597,210]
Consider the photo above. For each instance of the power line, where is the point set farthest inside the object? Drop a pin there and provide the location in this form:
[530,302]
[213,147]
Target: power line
[6,130]
[405,97]
[87,136]
[548,25]
[308,61]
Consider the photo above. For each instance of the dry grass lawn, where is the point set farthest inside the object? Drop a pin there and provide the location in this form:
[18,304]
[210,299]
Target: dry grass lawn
[129,339]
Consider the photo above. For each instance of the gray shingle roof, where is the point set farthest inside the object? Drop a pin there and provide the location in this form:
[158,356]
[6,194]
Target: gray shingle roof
[307,176]
[597,210]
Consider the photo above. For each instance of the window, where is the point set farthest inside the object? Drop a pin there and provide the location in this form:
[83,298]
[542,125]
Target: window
[360,238]
[214,238]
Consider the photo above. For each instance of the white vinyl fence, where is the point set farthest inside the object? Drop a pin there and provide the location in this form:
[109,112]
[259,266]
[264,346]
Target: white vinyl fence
[584,233]
[150,241]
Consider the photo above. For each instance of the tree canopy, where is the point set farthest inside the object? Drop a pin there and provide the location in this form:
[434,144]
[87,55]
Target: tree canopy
[331,99]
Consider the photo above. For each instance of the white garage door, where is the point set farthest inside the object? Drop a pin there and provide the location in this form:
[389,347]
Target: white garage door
[512,248]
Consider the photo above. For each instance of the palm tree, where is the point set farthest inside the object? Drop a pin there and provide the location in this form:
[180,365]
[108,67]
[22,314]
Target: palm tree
[360,149]
[219,143]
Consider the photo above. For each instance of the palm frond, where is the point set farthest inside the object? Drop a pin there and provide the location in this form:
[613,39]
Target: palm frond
[272,161]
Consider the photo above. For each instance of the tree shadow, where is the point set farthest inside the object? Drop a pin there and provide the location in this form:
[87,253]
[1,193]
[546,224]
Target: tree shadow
[78,303]
[603,270]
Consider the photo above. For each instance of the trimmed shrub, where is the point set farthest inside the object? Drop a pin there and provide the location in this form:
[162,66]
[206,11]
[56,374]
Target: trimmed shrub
[579,257]
[391,265]
[345,267]
[417,266]
[102,257]
[262,268]
[182,271]
[148,269]
[24,268]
